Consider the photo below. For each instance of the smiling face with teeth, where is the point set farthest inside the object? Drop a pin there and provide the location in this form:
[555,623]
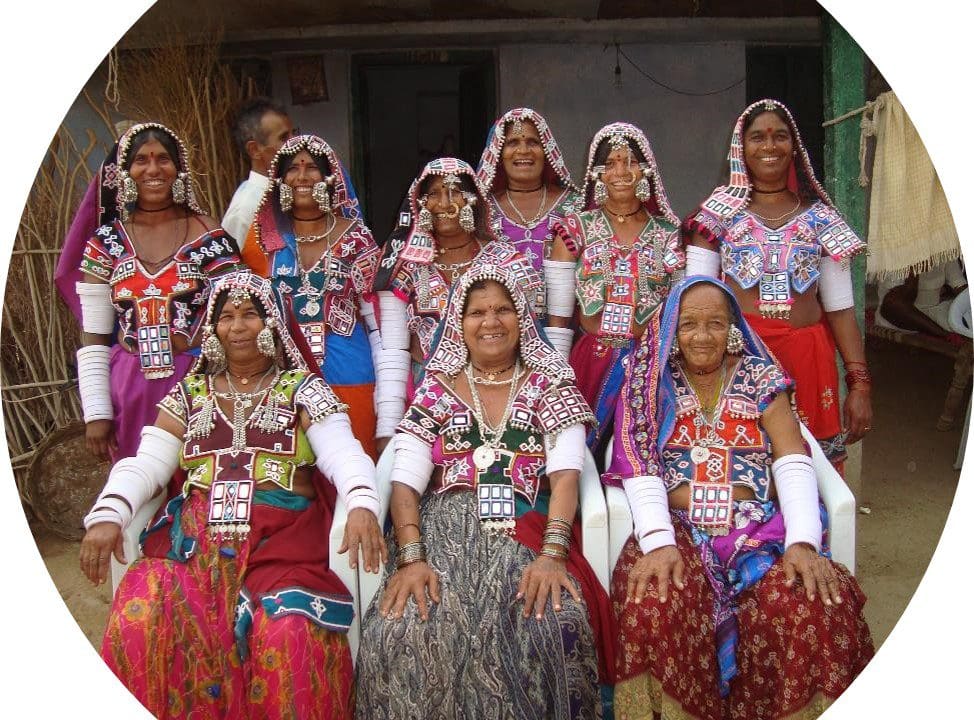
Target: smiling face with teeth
[153,168]
[490,326]
[768,147]
[301,174]
[523,156]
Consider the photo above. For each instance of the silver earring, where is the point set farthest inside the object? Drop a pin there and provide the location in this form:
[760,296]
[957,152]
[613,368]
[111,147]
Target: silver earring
[320,194]
[130,191]
[467,221]
[179,189]
[735,340]
[213,351]
[675,351]
[601,192]
[265,339]
[643,191]
[425,222]
[287,197]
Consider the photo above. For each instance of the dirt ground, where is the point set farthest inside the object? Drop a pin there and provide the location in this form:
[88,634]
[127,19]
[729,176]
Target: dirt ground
[908,484]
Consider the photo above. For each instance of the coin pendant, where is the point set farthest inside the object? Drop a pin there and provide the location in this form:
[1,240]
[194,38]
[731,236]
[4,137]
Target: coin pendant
[699,454]
[483,457]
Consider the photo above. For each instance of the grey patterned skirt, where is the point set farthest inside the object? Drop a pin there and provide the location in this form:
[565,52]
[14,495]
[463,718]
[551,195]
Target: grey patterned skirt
[476,657]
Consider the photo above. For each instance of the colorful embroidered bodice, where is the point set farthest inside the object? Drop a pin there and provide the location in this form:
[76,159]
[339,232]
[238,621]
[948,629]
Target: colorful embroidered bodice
[439,418]
[268,448]
[534,242]
[425,291]
[625,285]
[786,259]
[738,448]
[325,298]
[151,307]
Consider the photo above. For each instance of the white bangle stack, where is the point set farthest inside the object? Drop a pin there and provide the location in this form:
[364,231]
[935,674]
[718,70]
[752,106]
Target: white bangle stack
[97,311]
[561,338]
[94,382]
[650,512]
[560,282]
[342,460]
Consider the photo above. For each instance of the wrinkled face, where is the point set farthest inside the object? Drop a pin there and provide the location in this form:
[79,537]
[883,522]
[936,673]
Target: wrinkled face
[444,198]
[153,169]
[302,175]
[236,329]
[490,327]
[702,327]
[523,155]
[275,129]
[768,149]
[621,175]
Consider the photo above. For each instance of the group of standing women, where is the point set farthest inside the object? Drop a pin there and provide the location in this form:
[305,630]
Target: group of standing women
[512,319]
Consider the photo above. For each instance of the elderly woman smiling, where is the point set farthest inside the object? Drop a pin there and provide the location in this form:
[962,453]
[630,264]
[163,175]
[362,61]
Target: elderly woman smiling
[482,616]
[726,602]
[234,612]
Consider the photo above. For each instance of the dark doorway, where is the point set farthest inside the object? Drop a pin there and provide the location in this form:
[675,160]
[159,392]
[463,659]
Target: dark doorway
[793,75]
[409,108]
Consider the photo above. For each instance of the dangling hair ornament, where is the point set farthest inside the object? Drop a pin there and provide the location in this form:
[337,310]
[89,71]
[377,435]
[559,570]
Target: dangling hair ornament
[265,339]
[643,191]
[320,194]
[735,340]
[128,192]
[769,105]
[601,191]
[425,221]
[213,350]
[179,188]
[467,221]
[238,296]
[517,127]
[287,196]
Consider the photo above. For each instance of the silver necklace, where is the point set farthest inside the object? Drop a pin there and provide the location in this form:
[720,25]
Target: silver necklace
[541,208]
[490,437]
[242,402]
[700,451]
[315,238]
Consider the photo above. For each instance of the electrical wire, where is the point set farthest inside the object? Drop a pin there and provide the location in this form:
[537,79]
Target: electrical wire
[620,51]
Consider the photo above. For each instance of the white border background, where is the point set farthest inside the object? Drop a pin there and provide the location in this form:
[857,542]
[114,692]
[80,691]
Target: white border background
[48,52]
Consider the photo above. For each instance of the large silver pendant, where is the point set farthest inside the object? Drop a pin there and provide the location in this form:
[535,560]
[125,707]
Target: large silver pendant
[484,457]
[699,454]
[311,308]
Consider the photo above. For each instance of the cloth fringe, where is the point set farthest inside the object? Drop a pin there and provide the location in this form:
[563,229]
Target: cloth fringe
[910,224]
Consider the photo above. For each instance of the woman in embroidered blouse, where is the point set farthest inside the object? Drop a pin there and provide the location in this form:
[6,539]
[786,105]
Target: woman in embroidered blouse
[234,612]
[309,238]
[773,233]
[528,184]
[138,283]
[443,225]
[482,615]
[725,601]
[617,258]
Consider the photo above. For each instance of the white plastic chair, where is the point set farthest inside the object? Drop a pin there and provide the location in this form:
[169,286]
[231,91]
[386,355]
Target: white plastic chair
[832,490]
[591,506]
[338,563]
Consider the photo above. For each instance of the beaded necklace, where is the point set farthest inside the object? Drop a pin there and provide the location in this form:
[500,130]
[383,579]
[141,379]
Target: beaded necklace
[490,436]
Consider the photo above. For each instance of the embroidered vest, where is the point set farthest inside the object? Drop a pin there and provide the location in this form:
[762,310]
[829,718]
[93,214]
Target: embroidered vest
[786,259]
[439,418]
[743,454]
[326,296]
[534,242]
[153,307]
[268,448]
[625,285]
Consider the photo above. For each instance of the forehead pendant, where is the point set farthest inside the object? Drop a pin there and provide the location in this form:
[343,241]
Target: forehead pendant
[517,127]
[238,296]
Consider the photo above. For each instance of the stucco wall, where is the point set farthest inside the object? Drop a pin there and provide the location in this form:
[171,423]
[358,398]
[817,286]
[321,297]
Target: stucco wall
[573,86]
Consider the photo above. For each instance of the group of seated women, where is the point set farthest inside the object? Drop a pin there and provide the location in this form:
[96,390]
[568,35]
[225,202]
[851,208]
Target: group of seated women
[512,323]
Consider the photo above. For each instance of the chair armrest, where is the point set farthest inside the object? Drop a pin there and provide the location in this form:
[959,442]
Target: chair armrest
[349,577]
[839,503]
[369,583]
[619,516]
[130,537]
[595,532]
